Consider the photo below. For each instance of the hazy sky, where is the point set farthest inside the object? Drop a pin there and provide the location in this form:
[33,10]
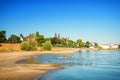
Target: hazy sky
[90,20]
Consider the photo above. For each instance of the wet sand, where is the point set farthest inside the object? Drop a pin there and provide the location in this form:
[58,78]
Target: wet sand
[9,70]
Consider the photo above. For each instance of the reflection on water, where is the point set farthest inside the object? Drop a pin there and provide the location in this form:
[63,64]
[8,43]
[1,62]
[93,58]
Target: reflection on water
[95,65]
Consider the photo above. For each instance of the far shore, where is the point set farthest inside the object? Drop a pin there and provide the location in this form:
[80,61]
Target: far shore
[9,70]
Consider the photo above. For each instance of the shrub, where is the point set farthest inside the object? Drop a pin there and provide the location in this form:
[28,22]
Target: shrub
[30,44]
[25,46]
[47,45]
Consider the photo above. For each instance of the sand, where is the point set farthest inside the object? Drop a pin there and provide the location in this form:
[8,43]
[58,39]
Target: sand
[10,70]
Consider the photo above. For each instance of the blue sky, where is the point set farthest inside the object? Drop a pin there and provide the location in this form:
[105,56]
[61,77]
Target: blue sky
[89,20]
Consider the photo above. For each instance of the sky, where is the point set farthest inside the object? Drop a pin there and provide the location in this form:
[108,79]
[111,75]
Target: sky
[89,20]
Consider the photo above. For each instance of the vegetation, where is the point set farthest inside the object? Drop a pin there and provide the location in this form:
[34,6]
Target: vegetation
[80,43]
[34,41]
[119,46]
[14,39]
[25,46]
[47,45]
[2,36]
[39,38]
[30,44]
[87,44]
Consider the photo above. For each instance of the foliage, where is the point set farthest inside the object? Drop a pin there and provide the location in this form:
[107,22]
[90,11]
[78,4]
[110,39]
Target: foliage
[25,46]
[96,45]
[47,45]
[119,46]
[87,44]
[31,44]
[2,36]
[80,43]
[71,43]
[14,39]
[63,42]
[55,41]
[39,38]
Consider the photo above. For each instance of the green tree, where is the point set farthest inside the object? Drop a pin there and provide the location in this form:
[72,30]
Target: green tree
[2,36]
[55,41]
[14,39]
[30,44]
[39,38]
[25,46]
[80,43]
[47,45]
[32,41]
[119,46]
[96,45]
[63,42]
[87,44]
[71,43]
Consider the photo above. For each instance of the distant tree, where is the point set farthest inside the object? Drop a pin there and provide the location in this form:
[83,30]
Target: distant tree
[63,42]
[87,44]
[96,45]
[39,38]
[14,39]
[119,46]
[71,43]
[2,36]
[79,42]
[55,41]
[37,34]
[30,44]
[47,45]
[25,46]
[48,39]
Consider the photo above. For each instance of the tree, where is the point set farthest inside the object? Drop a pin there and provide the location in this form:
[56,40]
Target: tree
[96,45]
[2,36]
[71,43]
[32,41]
[63,42]
[55,41]
[30,44]
[119,46]
[47,45]
[14,39]
[79,42]
[87,44]
[39,38]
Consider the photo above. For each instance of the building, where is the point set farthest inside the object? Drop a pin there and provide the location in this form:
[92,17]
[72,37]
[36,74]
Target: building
[108,46]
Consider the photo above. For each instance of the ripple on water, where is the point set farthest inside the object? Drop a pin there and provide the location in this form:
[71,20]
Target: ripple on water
[95,65]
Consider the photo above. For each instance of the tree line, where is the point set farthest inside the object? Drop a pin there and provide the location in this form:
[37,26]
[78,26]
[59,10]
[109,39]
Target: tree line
[38,39]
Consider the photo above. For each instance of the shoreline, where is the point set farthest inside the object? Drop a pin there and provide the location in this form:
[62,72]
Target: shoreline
[10,70]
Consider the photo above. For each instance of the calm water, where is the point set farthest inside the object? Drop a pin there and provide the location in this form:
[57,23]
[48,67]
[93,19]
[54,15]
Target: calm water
[95,65]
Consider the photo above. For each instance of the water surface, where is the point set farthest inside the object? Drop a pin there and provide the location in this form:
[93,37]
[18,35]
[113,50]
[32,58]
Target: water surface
[94,65]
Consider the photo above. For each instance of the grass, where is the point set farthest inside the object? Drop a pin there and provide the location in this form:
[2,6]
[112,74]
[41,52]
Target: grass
[5,47]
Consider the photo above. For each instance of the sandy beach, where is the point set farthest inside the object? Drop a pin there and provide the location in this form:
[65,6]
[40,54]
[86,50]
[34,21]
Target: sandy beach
[10,70]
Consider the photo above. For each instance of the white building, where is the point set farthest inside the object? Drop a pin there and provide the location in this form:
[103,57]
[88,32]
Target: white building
[113,46]
[108,46]
[104,46]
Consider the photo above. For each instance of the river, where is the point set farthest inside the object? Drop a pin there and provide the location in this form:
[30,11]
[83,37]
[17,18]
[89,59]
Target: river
[89,65]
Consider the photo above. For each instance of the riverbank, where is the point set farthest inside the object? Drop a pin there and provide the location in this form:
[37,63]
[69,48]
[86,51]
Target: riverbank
[9,70]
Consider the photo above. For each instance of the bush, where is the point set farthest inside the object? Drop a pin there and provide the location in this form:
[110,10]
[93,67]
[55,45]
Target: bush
[30,44]
[25,46]
[47,45]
